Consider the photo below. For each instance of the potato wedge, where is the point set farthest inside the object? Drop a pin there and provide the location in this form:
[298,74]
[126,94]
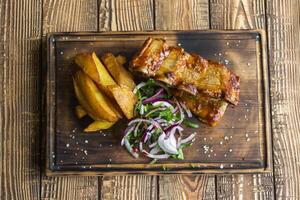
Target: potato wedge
[126,100]
[83,101]
[99,125]
[80,112]
[98,102]
[118,72]
[121,59]
[92,66]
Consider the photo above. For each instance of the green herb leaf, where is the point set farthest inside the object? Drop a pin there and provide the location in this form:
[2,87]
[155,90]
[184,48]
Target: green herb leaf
[190,123]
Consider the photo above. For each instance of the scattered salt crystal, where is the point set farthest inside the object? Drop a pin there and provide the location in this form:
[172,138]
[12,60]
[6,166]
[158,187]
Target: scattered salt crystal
[208,155]
[226,137]
[204,139]
[230,150]
[86,141]
[210,138]
[61,52]
[110,160]
[227,43]
[221,142]
[85,152]
[231,165]
[179,44]
[221,166]
[248,139]
[247,135]
[225,155]
[61,161]
[100,145]
[67,145]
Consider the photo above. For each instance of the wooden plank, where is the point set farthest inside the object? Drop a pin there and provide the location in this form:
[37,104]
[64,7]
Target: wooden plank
[129,187]
[186,187]
[20,39]
[180,15]
[241,14]
[125,16]
[284,42]
[74,15]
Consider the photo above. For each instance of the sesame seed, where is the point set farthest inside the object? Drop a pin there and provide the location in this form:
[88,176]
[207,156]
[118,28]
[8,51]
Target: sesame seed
[221,142]
[67,145]
[226,137]
[85,152]
[248,139]
[86,141]
[225,155]
[230,150]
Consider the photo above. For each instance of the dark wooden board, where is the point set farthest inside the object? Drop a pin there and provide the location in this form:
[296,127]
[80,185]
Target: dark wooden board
[240,143]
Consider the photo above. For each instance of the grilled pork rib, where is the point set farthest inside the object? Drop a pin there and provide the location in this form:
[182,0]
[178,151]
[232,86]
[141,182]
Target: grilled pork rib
[188,72]
[206,87]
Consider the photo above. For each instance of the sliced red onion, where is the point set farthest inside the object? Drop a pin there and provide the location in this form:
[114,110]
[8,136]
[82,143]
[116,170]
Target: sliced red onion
[168,144]
[188,139]
[162,156]
[127,131]
[152,111]
[141,147]
[152,145]
[188,112]
[129,148]
[163,102]
[142,84]
[181,112]
[155,150]
[159,94]
[163,86]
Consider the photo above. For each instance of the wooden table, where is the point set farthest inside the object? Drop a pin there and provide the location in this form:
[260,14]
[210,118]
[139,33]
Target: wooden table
[23,27]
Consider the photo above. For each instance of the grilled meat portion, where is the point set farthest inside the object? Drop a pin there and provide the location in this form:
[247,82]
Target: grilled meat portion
[208,109]
[187,72]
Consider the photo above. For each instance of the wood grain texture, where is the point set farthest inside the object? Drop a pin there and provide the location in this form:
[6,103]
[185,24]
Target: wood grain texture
[284,42]
[187,187]
[20,39]
[241,14]
[127,15]
[137,187]
[73,15]
[181,14]
[184,15]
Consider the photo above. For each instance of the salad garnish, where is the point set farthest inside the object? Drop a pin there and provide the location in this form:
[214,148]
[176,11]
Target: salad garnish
[156,132]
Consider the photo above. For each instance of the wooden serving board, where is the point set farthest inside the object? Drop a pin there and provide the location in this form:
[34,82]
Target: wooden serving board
[241,143]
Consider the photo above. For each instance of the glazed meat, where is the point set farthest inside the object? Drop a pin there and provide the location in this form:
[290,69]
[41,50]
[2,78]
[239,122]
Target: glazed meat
[188,72]
[209,110]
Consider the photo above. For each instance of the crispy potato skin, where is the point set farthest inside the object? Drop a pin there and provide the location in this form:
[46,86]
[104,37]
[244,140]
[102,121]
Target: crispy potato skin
[117,70]
[83,101]
[126,100]
[99,125]
[93,67]
[98,102]
[80,112]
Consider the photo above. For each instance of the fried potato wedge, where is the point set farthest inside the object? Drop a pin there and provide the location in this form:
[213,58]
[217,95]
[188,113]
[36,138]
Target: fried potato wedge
[117,70]
[93,67]
[121,59]
[83,101]
[99,103]
[99,125]
[80,112]
[126,100]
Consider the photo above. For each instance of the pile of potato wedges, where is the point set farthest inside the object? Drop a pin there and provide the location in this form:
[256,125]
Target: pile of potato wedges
[103,89]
